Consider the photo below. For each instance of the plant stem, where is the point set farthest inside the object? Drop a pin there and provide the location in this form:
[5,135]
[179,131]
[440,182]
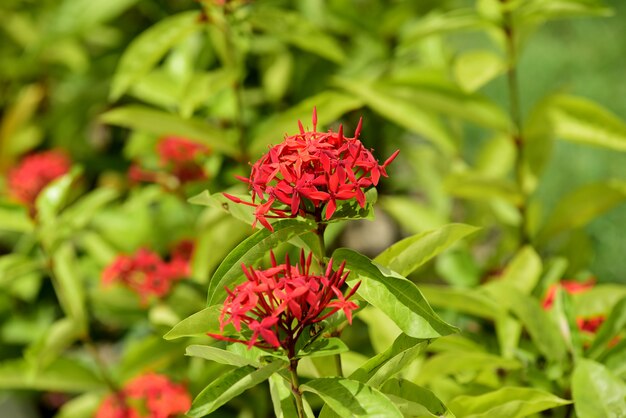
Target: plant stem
[338,365]
[295,387]
[516,117]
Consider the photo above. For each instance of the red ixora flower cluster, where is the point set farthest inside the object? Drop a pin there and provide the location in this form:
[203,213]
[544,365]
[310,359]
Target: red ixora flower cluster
[179,156]
[311,171]
[35,172]
[278,304]
[146,273]
[149,396]
[589,325]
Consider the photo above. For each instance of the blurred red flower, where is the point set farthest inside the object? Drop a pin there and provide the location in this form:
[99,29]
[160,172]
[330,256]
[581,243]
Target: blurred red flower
[181,157]
[146,273]
[34,173]
[149,396]
[279,303]
[310,172]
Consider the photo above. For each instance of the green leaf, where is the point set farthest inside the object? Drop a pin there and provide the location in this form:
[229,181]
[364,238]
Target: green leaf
[408,255]
[542,329]
[413,400]
[583,121]
[412,216]
[510,402]
[332,105]
[58,337]
[51,199]
[596,391]
[397,297]
[68,284]
[393,360]
[401,111]
[82,406]
[460,20]
[158,122]
[83,210]
[540,11]
[474,69]
[229,385]
[236,357]
[350,209]
[524,271]
[148,48]
[439,95]
[583,205]
[252,249]
[198,324]
[470,301]
[475,186]
[291,28]
[461,362]
[324,347]
[241,212]
[349,398]
[598,300]
[146,354]
[15,218]
[64,375]
[282,398]
[614,324]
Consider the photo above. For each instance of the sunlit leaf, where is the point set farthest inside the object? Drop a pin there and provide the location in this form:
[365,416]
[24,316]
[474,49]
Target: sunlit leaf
[397,297]
[596,391]
[229,385]
[513,402]
[148,48]
[408,255]
[349,398]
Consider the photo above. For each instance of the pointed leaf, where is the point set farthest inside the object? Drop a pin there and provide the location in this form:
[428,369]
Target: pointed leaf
[413,400]
[282,398]
[229,385]
[510,402]
[349,398]
[396,296]
[252,249]
[408,255]
[198,324]
[524,271]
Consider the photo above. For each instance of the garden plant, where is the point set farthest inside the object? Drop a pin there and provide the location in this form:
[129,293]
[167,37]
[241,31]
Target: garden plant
[307,208]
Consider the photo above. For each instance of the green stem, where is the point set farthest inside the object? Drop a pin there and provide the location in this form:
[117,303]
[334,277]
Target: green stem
[517,136]
[295,387]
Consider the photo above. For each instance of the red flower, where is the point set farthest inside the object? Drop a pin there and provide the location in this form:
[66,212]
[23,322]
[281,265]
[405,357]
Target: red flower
[148,396]
[570,286]
[279,303]
[309,172]
[589,325]
[181,156]
[145,273]
[34,173]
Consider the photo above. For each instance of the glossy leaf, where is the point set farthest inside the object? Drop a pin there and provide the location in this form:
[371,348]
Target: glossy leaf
[229,385]
[596,392]
[396,296]
[54,196]
[408,255]
[282,397]
[349,398]
[149,47]
[222,356]
[252,249]
[158,122]
[324,347]
[469,301]
[513,402]
[392,361]
[413,400]
[198,324]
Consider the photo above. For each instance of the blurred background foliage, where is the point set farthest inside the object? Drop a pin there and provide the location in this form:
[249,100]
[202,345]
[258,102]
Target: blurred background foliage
[436,92]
